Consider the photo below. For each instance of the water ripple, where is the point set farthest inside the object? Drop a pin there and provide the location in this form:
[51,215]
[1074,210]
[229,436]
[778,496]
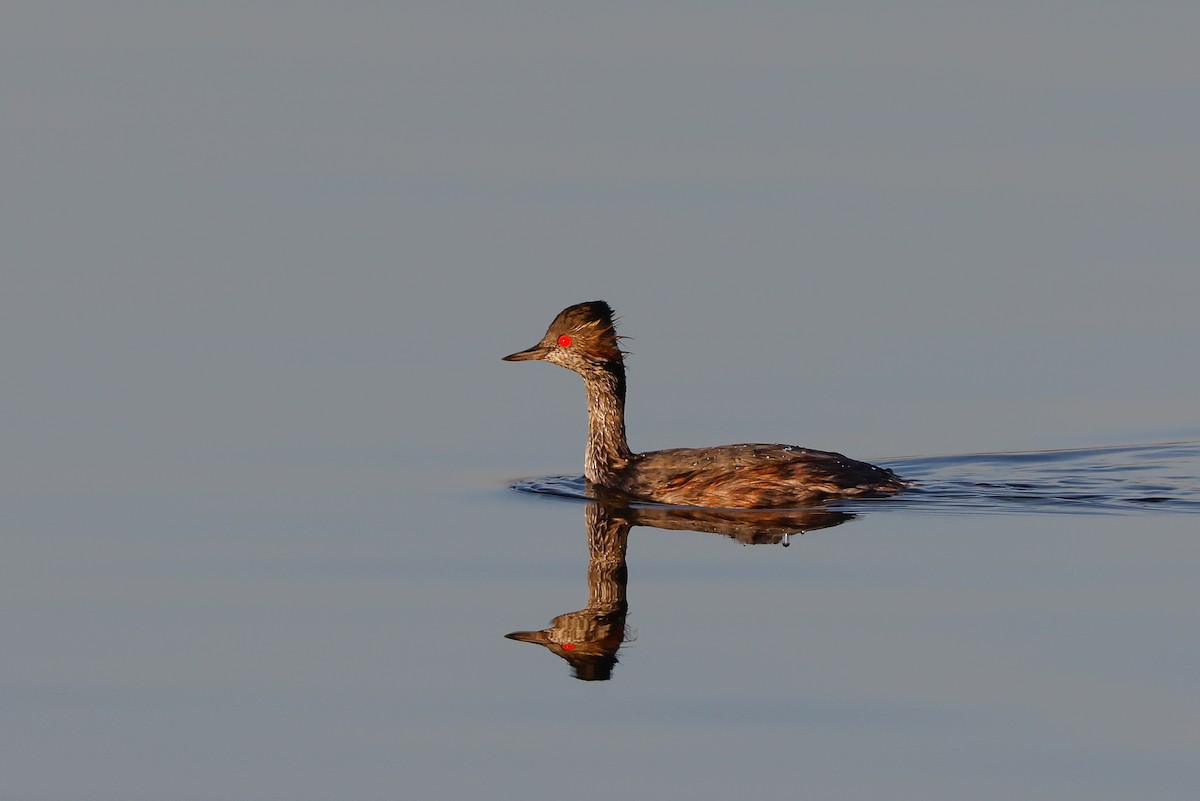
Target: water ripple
[1161,477]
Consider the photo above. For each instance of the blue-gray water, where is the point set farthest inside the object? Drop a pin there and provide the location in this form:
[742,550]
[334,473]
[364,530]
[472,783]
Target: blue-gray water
[347,640]
[258,263]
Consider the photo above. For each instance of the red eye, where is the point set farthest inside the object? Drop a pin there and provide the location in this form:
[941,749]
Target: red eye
[568,646]
[564,341]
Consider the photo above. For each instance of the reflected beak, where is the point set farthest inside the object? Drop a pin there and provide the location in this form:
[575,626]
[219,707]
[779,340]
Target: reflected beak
[536,352]
[539,637]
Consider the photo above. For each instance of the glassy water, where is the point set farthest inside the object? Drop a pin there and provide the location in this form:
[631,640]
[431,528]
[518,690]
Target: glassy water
[1020,625]
[349,640]
[260,261]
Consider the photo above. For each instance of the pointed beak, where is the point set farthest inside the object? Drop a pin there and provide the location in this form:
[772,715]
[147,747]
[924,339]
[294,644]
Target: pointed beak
[536,352]
[539,637]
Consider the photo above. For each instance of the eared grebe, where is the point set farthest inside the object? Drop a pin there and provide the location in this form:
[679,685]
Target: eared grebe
[583,338]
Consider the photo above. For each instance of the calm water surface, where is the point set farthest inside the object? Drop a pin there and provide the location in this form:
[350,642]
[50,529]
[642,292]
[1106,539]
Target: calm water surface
[257,447]
[967,641]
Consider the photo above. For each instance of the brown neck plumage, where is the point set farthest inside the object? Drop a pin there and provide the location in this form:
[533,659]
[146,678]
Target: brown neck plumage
[607,448]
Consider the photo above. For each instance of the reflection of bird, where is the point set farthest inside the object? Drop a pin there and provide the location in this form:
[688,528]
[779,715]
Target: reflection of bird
[583,338]
[589,639]
[748,526]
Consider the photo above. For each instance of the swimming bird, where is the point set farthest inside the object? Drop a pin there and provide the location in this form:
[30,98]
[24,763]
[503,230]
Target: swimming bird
[583,338]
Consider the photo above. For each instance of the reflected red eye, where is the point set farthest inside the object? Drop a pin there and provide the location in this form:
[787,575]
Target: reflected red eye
[564,341]
[568,646]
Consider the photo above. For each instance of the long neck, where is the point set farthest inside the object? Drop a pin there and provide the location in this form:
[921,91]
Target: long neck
[607,449]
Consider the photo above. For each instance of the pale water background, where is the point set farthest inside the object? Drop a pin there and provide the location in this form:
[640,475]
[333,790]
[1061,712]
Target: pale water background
[260,261]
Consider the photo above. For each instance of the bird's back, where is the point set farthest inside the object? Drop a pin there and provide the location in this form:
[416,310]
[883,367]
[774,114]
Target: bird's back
[753,475]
